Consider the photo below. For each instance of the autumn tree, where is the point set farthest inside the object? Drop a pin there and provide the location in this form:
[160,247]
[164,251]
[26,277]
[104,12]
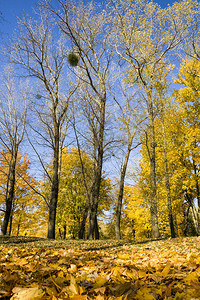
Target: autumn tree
[42,55]
[87,29]
[73,192]
[163,104]
[137,212]
[170,136]
[129,117]
[145,36]
[25,215]
[180,172]
[72,197]
[13,112]
[188,98]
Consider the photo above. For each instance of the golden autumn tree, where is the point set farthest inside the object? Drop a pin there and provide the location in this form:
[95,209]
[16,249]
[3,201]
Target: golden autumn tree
[176,152]
[137,211]
[26,215]
[73,193]
[188,97]
[170,129]
[183,189]
[146,35]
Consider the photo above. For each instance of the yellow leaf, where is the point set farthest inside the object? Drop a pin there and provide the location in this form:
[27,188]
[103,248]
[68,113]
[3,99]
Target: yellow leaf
[100,297]
[191,277]
[179,296]
[115,270]
[79,297]
[60,274]
[51,290]
[124,256]
[133,274]
[144,293]
[198,270]
[198,261]
[73,288]
[101,290]
[100,281]
[72,269]
[166,270]
[34,293]
[141,274]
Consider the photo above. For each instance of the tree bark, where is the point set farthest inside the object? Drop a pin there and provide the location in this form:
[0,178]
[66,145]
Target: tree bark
[97,173]
[194,212]
[195,219]
[167,183]
[93,211]
[121,192]
[96,229]
[64,232]
[10,223]
[83,223]
[153,200]
[11,194]
[175,225]
[54,188]
[197,186]
[18,228]
[186,221]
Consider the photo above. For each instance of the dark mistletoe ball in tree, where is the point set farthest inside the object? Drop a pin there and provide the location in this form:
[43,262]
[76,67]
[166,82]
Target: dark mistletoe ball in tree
[73,59]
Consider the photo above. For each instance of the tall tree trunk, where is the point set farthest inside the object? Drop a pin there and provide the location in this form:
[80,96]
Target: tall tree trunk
[175,225]
[194,212]
[93,210]
[10,223]
[64,232]
[167,183]
[81,233]
[96,229]
[18,228]
[97,172]
[195,218]
[10,195]
[186,221]
[121,192]
[153,200]
[54,188]
[197,186]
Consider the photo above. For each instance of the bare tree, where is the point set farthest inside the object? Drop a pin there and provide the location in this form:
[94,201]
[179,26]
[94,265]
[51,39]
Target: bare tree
[129,119]
[13,113]
[88,32]
[40,52]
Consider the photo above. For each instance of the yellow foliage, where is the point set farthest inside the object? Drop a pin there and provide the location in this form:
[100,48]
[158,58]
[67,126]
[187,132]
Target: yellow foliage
[27,212]
[138,211]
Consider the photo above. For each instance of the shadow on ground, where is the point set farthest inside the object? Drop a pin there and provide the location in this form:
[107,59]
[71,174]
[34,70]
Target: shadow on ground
[19,239]
[83,244]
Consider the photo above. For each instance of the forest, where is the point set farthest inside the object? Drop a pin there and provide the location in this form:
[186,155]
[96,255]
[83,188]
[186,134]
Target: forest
[100,122]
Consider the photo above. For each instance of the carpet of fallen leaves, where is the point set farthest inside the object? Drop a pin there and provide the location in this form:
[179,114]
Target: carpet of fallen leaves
[43,269]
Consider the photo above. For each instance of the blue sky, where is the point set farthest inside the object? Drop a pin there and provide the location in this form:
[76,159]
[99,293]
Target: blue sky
[12,8]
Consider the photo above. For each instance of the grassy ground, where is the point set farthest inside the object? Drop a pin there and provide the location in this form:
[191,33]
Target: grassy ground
[32,268]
